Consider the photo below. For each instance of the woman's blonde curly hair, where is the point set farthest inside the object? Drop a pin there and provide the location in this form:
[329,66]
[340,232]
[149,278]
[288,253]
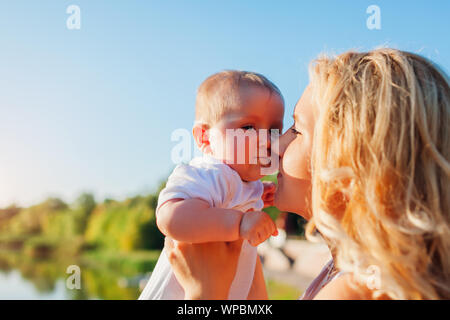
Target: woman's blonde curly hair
[381,166]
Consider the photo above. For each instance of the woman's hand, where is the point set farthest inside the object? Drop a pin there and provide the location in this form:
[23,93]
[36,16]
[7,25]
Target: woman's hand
[204,270]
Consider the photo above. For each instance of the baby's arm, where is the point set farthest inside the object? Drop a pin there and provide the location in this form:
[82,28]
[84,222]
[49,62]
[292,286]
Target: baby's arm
[194,221]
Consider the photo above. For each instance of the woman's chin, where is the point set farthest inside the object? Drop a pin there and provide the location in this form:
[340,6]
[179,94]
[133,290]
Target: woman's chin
[279,203]
[283,205]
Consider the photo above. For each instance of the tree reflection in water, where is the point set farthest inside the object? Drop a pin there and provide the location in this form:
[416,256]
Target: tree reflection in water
[97,281]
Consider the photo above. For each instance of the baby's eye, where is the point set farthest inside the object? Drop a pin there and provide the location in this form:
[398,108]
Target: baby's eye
[249,127]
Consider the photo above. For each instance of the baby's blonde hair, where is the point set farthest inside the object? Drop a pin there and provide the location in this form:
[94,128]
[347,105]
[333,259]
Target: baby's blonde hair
[223,91]
[381,170]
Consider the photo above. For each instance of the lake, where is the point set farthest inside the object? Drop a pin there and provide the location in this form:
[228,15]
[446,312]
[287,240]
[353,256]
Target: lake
[22,277]
[25,277]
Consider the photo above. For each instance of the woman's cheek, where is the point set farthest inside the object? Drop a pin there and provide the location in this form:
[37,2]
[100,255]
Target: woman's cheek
[295,161]
[294,185]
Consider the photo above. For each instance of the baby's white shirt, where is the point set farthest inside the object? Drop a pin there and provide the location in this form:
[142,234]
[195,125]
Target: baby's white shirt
[213,181]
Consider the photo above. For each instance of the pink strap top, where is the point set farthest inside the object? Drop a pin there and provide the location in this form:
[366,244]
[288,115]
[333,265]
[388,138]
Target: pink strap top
[327,274]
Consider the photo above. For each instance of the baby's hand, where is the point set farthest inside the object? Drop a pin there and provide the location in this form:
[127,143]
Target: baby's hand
[269,193]
[256,227]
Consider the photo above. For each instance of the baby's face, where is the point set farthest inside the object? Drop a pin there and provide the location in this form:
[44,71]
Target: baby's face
[242,136]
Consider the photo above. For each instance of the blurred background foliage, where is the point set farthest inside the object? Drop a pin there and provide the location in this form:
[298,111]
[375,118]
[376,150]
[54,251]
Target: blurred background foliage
[84,225]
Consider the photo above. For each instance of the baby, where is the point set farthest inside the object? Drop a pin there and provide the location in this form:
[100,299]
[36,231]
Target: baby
[216,197]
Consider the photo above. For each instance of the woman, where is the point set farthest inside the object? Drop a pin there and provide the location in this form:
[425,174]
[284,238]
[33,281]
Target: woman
[367,163]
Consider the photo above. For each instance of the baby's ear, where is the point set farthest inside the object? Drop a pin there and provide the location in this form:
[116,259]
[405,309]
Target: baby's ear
[200,131]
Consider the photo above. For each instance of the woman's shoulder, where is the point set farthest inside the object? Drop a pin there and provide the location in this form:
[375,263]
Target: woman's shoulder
[344,287]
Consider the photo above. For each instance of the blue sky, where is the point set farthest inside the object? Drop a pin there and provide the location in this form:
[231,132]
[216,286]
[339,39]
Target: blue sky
[93,109]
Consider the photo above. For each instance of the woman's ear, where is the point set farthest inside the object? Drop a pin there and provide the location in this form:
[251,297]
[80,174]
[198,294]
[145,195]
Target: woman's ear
[200,131]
